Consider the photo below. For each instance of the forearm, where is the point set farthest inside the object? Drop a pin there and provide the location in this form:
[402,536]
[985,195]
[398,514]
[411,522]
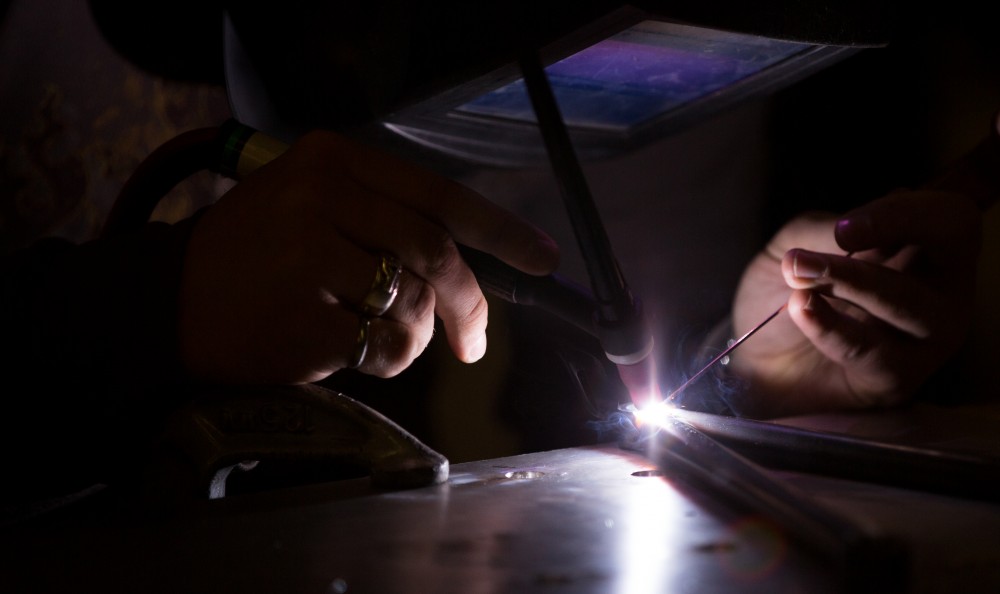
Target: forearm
[89,356]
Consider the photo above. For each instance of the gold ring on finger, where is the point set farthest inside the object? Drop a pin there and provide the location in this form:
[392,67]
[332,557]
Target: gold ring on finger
[384,287]
[361,343]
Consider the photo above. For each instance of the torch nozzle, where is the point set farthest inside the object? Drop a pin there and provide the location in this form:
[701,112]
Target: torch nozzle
[641,381]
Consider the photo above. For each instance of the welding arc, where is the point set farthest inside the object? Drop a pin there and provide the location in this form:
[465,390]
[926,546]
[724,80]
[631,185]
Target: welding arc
[724,353]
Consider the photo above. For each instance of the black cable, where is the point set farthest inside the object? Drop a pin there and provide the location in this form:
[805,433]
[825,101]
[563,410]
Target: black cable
[171,163]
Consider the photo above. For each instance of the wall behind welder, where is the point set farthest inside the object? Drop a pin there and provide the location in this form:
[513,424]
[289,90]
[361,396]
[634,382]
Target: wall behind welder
[685,215]
[77,118]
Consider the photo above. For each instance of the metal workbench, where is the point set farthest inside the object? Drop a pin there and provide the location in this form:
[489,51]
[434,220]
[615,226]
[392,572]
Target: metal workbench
[588,519]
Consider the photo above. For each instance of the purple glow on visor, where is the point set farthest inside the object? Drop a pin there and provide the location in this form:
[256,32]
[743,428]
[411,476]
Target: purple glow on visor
[640,74]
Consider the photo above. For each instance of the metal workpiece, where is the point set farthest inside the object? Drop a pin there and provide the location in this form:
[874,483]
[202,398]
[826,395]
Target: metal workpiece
[320,433]
[864,559]
[585,520]
[776,446]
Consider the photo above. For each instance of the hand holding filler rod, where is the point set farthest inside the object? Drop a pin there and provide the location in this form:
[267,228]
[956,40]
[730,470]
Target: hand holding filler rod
[974,175]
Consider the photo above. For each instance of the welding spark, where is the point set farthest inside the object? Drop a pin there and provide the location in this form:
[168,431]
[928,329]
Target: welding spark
[658,412]
[654,414]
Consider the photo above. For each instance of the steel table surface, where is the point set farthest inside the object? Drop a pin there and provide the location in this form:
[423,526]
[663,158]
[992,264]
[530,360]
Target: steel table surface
[586,519]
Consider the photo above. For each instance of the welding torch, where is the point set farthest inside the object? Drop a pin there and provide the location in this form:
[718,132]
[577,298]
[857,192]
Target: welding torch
[622,325]
[244,149]
[236,150]
[609,311]
[616,318]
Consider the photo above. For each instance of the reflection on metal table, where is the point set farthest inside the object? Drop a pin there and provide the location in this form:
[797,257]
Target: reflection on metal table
[586,519]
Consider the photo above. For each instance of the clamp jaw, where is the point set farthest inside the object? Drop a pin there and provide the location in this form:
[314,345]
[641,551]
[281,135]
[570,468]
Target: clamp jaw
[226,430]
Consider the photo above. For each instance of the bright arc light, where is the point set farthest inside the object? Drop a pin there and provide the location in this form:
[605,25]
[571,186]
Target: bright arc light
[656,413]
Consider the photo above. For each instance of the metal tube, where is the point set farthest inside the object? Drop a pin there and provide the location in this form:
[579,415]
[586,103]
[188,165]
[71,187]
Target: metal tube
[790,448]
[866,560]
[608,283]
[622,327]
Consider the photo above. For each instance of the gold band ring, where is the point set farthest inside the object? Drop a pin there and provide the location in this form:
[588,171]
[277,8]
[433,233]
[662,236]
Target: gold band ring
[384,287]
[361,343]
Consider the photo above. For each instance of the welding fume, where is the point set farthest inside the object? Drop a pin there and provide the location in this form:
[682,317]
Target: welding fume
[436,214]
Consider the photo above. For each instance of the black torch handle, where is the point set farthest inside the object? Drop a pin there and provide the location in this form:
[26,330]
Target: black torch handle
[553,293]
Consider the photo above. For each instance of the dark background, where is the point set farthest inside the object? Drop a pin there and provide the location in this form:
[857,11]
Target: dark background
[80,110]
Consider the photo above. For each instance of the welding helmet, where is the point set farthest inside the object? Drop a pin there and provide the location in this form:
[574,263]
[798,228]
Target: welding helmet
[442,76]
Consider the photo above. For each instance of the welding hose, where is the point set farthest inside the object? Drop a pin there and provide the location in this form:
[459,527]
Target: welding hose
[168,165]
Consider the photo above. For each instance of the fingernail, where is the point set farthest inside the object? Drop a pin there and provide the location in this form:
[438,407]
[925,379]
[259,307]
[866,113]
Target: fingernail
[843,225]
[808,265]
[477,350]
[852,230]
[807,307]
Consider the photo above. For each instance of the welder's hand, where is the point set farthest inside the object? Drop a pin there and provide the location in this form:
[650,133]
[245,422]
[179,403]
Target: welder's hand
[878,299]
[276,272]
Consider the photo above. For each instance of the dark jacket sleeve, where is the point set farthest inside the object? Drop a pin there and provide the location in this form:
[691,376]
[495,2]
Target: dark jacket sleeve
[90,361]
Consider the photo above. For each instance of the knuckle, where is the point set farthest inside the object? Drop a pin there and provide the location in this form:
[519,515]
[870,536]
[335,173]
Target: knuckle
[442,257]
[477,315]
[906,315]
[397,346]
[398,339]
[415,299]
[423,303]
[387,360]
